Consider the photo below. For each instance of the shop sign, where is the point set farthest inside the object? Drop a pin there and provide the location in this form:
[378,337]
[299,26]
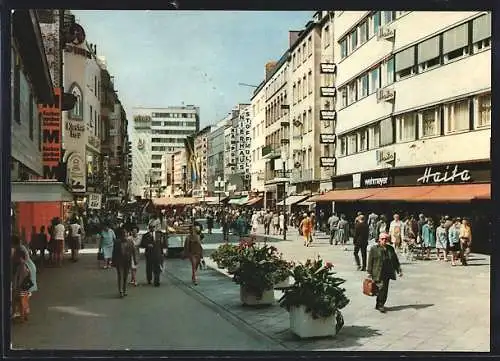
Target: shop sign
[327,115]
[446,175]
[51,130]
[74,130]
[78,51]
[385,156]
[375,182]
[356,180]
[327,91]
[327,138]
[76,173]
[327,162]
[328,68]
[95,201]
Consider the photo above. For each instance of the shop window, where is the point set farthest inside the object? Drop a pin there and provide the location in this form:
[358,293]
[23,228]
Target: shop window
[458,116]
[430,121]
[343,146]
[483,113]
[363,32]
[405,63]
[351,93]
[363,140]
[481,33]
[343,48]
[406,126]
[374,81]
[374,136]
[386,132]
[456,43]
[352,144]
[428,54]
[363,86]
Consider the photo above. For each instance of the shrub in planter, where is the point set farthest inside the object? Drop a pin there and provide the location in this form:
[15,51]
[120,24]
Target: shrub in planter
[317,290]
[282,274]
[256,268]
[225,256]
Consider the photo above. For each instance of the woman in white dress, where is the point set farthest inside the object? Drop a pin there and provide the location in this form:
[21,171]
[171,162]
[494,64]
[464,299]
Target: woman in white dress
[136,238]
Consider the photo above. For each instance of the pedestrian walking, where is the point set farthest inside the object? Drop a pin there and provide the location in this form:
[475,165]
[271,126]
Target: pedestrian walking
[454,240]
[282,224]
[429,237]
[124,256]
[21,284]
[333,223]
[107,240]
[194,252]
[343,231]
[59,235]
[306,227]
[383,263]
[136,239]
[361,232]
[396,231]
[441,240]
[372,223]
[210,222]
[75,238]
[154,244]
[465,240]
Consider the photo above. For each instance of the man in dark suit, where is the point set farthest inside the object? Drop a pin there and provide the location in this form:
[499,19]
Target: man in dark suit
[154,243]
[361,231]
[383,264]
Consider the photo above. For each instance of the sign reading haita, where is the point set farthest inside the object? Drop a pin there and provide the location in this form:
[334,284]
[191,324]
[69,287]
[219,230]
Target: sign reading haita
[448,176]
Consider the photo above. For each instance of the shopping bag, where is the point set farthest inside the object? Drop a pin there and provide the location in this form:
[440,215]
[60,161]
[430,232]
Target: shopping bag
[369,287]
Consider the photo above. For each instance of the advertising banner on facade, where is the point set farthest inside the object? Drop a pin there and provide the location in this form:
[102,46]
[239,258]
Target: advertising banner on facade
[95,201]
[51,139]
[76,173]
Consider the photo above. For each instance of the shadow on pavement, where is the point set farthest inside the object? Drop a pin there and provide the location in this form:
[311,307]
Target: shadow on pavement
[404,307]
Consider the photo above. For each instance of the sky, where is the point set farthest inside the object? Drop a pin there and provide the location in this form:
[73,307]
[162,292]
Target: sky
[165,58]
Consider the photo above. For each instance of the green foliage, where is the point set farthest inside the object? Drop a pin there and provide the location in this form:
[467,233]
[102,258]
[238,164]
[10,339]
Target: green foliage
[317,289]
[226,256]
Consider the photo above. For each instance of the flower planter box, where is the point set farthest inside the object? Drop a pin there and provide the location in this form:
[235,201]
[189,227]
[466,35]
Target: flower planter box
[305,326]
[284,284]
[249,299]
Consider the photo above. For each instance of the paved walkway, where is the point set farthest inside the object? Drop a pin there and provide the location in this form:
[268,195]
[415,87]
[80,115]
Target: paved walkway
[434,307]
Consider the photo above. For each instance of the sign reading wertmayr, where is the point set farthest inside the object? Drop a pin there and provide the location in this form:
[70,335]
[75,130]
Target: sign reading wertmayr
[51,139]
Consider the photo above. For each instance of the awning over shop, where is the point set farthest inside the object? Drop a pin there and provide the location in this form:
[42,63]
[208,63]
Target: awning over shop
[238,201]
[179,201]
[345,195]
[254,201]
[306,202]
[457,193]
[404,194]
[40,191]
[291,200]
[212,200]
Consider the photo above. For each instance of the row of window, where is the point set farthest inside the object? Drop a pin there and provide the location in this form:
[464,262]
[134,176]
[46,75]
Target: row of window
[164,149]
[274,111]
[168,140]
[302,53]
[302,88]
[278,81]
[469,38]
[170,131]
[173,115]
[173,124]
[444,119]
[365,30]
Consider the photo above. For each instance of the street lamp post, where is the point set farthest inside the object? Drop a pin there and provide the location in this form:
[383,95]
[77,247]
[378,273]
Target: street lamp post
[219,184]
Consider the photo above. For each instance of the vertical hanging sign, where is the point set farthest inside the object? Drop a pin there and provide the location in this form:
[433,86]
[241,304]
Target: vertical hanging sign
[51,137]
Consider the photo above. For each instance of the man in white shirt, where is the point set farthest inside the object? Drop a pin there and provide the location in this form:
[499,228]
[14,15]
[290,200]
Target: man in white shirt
[59,233]
[75,238]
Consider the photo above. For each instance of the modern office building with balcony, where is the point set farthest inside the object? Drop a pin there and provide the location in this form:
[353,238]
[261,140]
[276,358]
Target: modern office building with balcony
[413,110]
[258,141]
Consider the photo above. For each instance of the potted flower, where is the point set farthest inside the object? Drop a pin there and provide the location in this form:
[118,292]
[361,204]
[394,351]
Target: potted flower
[225,255]
[282,275]
[314,300]
[256,273]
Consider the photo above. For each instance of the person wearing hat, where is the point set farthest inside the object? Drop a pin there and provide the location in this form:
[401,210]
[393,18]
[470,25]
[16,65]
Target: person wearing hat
[383,263]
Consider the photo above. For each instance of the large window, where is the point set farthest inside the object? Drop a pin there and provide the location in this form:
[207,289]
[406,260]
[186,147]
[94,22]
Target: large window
[363,86]
[310,82]
[352,144]
[299,91]
[363,32]
[363,140]
[389,71]
[354,39]
[430,121]
[481,33]
[343,97]
[457,116]
[406,126]
[304,87]
[77,111]
[374,80]
[294,94]
[351,93]
[343,146]
[343,48]
[377,22]
[483,113]
[428,54]
[388,16]
[309,46]
[326,36]
[374,136]
[386,132]
[456,43]
[405,63]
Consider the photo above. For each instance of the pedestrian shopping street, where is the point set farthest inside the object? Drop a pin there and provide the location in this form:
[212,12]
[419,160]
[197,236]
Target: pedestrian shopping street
[434,307]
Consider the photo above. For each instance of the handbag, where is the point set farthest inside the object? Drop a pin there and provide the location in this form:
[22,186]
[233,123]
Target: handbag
[100,255]
[369,287]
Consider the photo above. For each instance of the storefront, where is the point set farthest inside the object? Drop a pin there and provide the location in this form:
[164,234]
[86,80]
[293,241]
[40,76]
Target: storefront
[456,189]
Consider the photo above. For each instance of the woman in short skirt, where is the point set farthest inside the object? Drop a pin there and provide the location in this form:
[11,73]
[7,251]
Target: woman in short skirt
[454,240]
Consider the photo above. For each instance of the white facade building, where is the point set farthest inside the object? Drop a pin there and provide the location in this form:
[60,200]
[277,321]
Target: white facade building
[141,153]
[168,128]
[414,89]
[258,141]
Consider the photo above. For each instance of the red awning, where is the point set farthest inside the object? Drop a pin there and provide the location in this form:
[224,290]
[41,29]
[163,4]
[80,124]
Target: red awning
[404,194]
[345,195]
[457,193]
[254,201]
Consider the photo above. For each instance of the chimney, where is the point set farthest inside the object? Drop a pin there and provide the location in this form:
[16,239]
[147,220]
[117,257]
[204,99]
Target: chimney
[293,35]
[270,67]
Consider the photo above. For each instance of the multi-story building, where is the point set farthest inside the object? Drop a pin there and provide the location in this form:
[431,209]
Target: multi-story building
[180,173]
[258,165]
[169,127]
[413,108]
[201,158]
[141,153]
[216,152]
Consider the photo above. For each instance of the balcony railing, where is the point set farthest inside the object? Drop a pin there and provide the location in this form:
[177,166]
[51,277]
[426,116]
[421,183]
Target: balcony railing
[302,175]
[271,175]
[271,151]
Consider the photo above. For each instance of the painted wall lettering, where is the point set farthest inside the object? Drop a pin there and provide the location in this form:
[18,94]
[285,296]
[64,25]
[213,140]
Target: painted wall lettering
[448,176]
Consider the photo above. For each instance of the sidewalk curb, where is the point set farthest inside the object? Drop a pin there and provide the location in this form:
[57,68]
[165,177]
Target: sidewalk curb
[223,312]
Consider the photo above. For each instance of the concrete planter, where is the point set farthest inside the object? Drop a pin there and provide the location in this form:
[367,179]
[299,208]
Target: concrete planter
[305,326]
[249,299]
